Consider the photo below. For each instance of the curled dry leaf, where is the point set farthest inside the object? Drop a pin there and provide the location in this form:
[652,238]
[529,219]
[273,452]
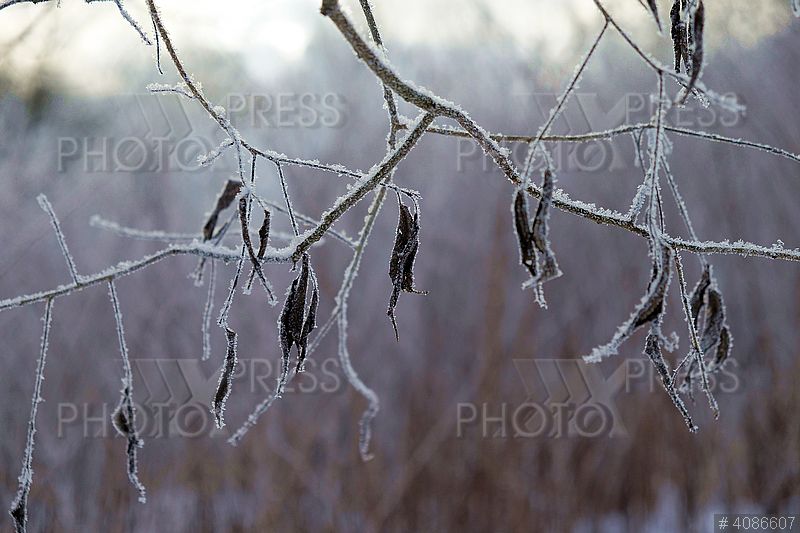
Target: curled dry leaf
[527,252]
[540,231]
[401,262]
[263,240]
[652,307]
[296,321]
[723,350]
[649,311]
[652,350]
[679,37]
[224,200]
[696,48]
[254,259]
[715,337]
[536,253]
[225,380]
[653,7]
[699,293]
[309,324]
[714,320]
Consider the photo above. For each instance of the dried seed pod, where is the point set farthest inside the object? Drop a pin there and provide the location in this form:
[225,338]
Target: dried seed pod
[652,350]
[224,200]
[401,262]
[225,380]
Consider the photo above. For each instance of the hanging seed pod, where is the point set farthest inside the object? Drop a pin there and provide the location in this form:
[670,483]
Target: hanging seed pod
[224,200]
[401,262]
[225,380]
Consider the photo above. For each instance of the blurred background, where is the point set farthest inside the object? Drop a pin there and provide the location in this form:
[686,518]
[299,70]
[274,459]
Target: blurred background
[455,446]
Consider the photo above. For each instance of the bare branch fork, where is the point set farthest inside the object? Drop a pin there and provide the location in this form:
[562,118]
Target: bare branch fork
[702,306]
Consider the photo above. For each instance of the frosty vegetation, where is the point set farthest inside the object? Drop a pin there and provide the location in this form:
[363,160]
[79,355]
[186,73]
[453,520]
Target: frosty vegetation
[238,227]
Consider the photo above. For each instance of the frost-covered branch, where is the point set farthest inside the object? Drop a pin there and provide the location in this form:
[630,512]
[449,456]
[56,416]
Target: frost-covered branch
[19,508]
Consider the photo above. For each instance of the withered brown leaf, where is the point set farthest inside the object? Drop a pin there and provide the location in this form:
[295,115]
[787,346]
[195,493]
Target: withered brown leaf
[224,200]
[653,7]
[678,33]
[652,350]
[401,262]
[263,240]
[254,259]
[540,231]
[697,298]
[527,251]
[649,310]
[653,305]
[714,320]
[695,39]
[225,380]
[296,322]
